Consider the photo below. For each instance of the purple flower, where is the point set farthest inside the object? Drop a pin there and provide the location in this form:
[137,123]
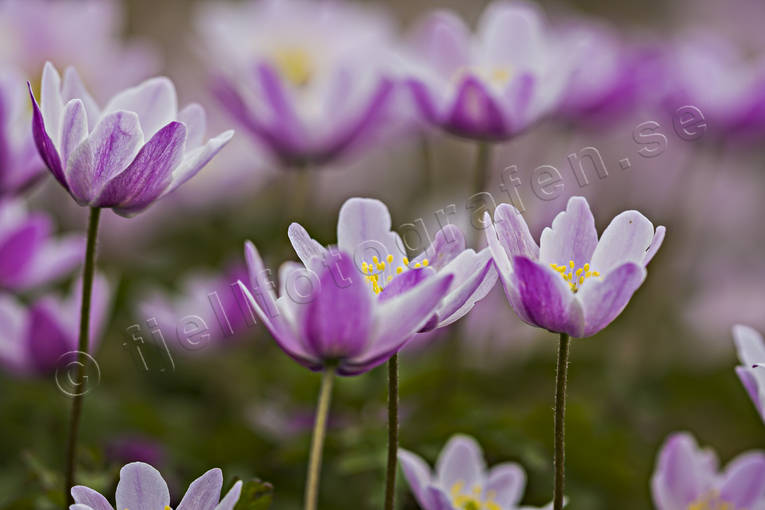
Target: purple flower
[572,282]
[353,305]
[20,165]
[687,478]
[141,487]
[492,84]
[136,150]
[85,34]
[751,372]
[34,338]
[462,480]
[287,66]
[29,255]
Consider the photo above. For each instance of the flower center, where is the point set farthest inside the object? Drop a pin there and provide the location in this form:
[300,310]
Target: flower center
[473,500]
[295,64]
[379,272]
[573,276]
[495,75]
[711,501]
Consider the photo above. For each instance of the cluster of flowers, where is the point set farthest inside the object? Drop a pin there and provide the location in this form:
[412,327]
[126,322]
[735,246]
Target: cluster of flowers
[362,299]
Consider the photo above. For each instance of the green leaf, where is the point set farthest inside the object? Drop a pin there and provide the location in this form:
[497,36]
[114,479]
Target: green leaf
[256,495]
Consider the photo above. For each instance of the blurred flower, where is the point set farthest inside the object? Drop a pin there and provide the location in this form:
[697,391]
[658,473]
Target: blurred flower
[20,165]
[103,158]
[462,480]
[687,478]
[307,79]
[571,282]
[751,354]
[490,85]
[215,299]
[84,34]
[141,487]
[34,338]
[332,312]
[135,449]
[29,255]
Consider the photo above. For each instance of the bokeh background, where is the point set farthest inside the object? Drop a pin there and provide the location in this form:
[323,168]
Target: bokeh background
[665,365]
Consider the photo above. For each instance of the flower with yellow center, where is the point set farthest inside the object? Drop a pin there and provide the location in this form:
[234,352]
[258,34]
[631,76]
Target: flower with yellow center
[473,500]
[574,277]
[711,501]
[295,64]
[379,272]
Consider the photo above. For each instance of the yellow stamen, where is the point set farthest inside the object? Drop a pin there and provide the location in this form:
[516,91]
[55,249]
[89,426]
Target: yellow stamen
[406,261]
[575,277]
[425,263]
[389,258]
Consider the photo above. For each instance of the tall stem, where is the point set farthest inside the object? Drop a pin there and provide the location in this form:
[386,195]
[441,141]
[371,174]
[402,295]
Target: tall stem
[390,476]
[482,163]
[82,348]
[560,422]
[317,441]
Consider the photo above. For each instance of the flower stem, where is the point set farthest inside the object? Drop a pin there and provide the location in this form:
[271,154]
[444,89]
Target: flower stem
[317,441]
[87,287]
[560,422]
[390,475]
[482,163]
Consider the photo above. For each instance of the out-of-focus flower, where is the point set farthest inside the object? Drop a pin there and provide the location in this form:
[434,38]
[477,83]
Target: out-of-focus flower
[490,85]
[216,300]
[751,354]
[141,487]
[354,305]
[29,255]
[462,480]
[572,282]
[687,478]
[135,449]
[33,339]
[84,34]
[713,74]
[20,165]
[136,150]
[309,80]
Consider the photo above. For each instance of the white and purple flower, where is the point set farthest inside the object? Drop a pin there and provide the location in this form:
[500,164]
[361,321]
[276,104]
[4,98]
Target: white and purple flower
[688,478]
[571,282]
[751,372]
[29,254]
[141,487]
[129,154]
[492,84]
[308,80]
[356,304]
[462,480]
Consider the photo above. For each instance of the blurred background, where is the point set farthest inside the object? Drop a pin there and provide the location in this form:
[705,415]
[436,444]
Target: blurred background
[666,364]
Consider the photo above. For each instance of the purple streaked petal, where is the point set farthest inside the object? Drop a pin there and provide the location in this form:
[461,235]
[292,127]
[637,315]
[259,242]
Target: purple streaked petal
[362,220]
[195,119]
[428,105]
[51,103]
[154,101]
[231,498]
[310,252]
[79,507]
[417,474]
[513,232]
[626,239]
[546,298]
[73,88]
[743,483]
[511,34]
[204,492]
[148,175]
[284,125]
[405,282]
[572,236]
[603,300]
[461,460]
[13,329]
[44,143]
[51,261]
[196,159]
[658,239]
[748,379]
[475,276]
[48,338]
[749,345]
[443,40]
[475,113]
[679,479]
[337,322]
[74,128]
[507,481]
[85,496]
[141,487]
[19,247]
[440,499]
[448,243]
[109,150]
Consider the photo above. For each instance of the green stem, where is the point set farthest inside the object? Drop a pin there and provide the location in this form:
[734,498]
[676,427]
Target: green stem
[390,476]
[428,180]
[87,287]
[300,193]
[317,441]
[560,422]
[482,164]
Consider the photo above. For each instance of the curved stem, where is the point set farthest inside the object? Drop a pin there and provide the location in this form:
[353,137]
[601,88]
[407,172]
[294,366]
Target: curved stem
[390,475]
[317,441]
[560,422]
[87,287]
